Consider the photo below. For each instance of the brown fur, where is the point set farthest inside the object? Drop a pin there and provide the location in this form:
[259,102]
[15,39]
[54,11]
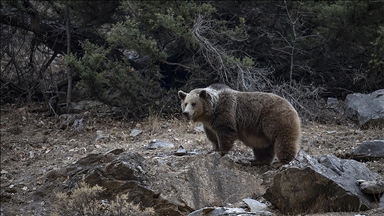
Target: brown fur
[263,121]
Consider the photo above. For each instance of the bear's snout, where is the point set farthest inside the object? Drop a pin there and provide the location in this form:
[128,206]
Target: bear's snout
[186,114]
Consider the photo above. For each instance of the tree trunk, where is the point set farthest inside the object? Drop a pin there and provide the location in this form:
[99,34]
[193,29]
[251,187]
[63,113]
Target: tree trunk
[69,72]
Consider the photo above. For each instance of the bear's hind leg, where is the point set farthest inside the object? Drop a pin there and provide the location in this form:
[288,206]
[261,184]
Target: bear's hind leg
[264,156]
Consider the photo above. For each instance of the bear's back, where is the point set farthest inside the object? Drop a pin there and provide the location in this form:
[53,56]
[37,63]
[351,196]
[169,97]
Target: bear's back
[250,106]
[218,86]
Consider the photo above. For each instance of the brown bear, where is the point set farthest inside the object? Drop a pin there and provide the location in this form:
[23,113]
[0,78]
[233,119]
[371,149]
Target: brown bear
[263,121]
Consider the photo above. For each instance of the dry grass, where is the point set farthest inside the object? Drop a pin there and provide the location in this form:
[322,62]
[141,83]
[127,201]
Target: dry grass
[85,201]
[152,123]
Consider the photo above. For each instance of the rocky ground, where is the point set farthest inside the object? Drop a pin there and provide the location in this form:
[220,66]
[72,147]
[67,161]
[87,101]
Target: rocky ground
[33,145]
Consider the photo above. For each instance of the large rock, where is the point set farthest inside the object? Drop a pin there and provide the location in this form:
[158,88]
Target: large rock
[116,171]
[367,109]
[324,184]
[369,150]
[172,185]
[202,180]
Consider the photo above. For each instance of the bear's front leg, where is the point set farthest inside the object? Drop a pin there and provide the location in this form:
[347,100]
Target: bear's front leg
[226,134]
[212,137]
[225,142]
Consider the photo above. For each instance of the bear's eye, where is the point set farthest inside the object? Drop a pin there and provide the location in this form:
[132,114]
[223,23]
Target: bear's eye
[193,104]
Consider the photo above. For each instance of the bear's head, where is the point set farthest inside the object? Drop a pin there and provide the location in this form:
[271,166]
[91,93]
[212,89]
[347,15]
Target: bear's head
[197,104]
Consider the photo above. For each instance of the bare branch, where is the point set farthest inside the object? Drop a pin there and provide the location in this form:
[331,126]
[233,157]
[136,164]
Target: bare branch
[228,68]
[177,64]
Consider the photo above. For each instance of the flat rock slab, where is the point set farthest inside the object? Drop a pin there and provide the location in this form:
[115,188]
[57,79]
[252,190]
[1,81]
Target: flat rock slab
[219,211]
[317,185]
[201,180]
[369,150]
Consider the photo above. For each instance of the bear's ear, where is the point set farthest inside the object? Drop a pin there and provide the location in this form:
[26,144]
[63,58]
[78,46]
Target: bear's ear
[204,94]
[182,95]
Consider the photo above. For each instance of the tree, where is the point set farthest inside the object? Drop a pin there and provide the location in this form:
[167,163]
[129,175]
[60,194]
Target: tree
[69,72]
[347,30]
[42,24]
[132,53]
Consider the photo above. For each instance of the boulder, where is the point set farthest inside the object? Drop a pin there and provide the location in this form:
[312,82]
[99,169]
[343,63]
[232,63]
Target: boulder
[369,150]
[118,172]
[323,184]
[367,109]
[201,180]
[172,185]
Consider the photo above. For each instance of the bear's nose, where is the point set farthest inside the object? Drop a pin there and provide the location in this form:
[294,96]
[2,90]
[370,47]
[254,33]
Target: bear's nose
[186,114]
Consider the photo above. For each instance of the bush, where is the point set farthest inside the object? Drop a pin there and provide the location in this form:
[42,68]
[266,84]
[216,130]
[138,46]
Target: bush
[115,82]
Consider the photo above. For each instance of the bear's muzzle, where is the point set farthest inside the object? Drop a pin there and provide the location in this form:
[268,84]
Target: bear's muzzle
[186,114]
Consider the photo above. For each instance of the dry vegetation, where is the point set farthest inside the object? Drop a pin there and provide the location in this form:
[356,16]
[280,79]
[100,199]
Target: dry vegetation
[85,200]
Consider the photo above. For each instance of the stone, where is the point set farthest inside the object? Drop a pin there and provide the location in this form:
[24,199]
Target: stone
[366,109]
[102,135]
[323,184]
[156,144]
[369,150]
[371,187]
[78,124]
[135,132]
[255,205]
[181,151]
[332,103]
[199,129]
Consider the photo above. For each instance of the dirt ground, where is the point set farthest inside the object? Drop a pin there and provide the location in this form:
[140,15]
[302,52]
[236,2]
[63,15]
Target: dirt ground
[32,144]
